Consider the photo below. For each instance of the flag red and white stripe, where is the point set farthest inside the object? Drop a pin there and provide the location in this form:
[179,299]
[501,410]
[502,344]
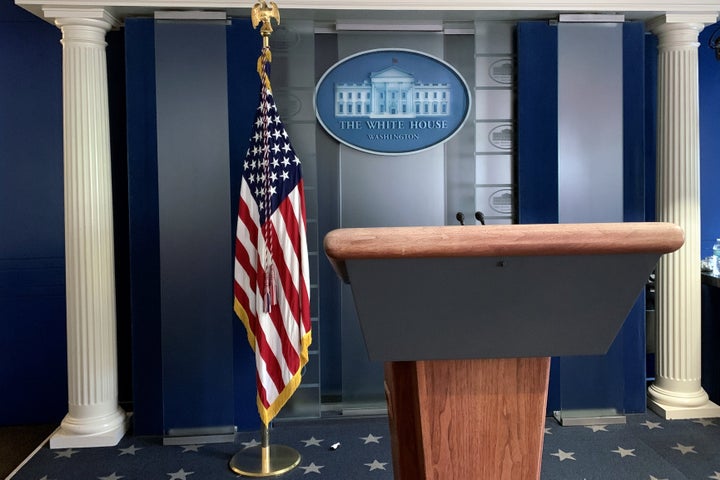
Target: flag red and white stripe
[272,284]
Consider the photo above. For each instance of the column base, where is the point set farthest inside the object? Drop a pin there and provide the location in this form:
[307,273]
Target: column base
[708,410]
[62,438]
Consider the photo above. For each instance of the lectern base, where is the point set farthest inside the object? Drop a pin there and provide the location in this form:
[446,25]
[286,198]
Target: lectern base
[254,462]
[452,419]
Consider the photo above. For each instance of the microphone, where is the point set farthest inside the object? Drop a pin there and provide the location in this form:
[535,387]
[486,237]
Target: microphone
[460,216]
[480,217]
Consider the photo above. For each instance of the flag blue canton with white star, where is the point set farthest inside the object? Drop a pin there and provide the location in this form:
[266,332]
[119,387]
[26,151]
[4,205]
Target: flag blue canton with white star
[271,165]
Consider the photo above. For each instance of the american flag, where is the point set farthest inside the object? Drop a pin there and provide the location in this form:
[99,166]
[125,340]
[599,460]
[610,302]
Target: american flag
[271,285]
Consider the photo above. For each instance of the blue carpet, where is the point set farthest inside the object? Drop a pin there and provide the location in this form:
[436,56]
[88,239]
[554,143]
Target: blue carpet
[647,448]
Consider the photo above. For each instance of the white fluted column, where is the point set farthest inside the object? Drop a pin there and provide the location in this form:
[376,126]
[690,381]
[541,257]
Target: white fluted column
[677,392]
[94,417]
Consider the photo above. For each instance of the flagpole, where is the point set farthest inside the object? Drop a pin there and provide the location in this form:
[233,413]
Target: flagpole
[264,460]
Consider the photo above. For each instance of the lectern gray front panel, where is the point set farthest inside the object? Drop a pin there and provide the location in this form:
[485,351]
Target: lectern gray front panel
[492,307]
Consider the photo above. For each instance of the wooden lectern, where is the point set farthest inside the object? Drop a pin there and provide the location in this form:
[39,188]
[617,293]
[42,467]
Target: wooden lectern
[466,319]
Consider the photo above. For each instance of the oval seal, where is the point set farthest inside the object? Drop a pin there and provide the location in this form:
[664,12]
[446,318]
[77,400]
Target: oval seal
[501,136]
[501,201]
[392,101]
[501,71]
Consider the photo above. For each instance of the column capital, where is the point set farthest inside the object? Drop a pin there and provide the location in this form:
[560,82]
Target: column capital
[680,29]
[98,17]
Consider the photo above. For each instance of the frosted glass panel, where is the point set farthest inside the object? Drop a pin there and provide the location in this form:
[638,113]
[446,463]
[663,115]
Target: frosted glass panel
[494,37]
[350,43]
[293,77]
[382,190]
[590,123]
[493,104]
[590,189]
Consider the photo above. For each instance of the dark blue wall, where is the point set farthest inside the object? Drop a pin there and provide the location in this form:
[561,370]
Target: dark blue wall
[144,226]
[32,260]
[32,280]
[709,72]
[537,143]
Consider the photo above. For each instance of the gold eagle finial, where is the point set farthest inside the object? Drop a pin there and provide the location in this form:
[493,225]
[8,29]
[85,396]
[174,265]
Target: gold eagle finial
[262,12]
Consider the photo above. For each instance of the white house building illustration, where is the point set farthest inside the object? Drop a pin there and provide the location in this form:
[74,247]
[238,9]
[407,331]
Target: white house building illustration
[392,93]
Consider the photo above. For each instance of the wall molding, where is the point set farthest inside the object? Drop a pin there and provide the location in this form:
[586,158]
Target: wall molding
[339,9]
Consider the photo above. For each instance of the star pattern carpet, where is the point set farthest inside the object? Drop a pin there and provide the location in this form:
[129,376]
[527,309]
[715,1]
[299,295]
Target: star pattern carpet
[646,448]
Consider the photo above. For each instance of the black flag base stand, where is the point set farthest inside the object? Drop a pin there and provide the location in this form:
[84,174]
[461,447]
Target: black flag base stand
[265,460]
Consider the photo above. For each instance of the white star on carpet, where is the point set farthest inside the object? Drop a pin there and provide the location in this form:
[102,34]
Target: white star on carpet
[547,431]
[180,474]
[564,455]
[650,425]
[312,468]
[45,477]
[312,441]
[705,422]
[66,453]
[112,476]
[597,428]
[375,465]
[655,478]
[250,444]
[129,450]
[715,476]
[625,452]
[684,448]
[190,448]
[371,439]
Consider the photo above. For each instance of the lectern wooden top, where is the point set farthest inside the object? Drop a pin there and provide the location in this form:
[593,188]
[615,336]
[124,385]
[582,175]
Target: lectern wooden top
[500,240]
